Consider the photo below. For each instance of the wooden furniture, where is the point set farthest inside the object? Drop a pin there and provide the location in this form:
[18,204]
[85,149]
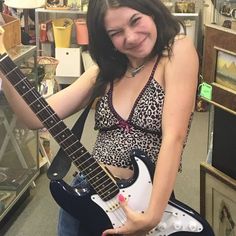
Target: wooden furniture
[219,72]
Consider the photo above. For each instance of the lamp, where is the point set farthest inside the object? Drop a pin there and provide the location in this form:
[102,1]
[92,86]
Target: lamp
[25,5]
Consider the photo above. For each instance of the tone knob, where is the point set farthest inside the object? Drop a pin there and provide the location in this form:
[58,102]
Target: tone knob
[192,226]
[177,225]
[162,226]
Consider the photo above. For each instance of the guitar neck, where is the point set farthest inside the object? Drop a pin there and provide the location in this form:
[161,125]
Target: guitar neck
[78,154]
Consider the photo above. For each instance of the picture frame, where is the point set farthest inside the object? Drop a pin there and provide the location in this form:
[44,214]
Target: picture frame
[218,200]
[219,40]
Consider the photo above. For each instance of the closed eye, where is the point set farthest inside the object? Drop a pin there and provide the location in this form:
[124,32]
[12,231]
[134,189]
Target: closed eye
[114,33]
[135,21]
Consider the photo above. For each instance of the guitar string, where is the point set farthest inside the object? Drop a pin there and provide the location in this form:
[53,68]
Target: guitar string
[119,214]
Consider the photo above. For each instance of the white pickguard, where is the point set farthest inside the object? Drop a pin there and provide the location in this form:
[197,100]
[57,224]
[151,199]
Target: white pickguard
[137,196]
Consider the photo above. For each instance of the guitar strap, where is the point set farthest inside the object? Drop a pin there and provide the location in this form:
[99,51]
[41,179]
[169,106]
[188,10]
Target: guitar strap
[61,162]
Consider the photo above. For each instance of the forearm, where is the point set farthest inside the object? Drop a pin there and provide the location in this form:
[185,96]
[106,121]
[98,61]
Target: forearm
[19,106]
[165,176]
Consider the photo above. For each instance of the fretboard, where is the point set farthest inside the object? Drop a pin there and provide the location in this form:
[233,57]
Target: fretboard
[100,180]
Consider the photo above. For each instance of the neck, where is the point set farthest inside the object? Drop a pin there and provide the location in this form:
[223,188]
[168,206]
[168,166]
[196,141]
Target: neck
[136,63]
[133,71]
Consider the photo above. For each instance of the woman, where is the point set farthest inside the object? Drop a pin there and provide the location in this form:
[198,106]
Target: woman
[146,77]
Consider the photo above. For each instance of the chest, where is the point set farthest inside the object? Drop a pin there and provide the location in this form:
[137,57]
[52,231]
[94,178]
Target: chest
[128,91]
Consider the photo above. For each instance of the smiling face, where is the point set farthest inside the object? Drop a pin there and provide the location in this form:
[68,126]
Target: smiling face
[131,32]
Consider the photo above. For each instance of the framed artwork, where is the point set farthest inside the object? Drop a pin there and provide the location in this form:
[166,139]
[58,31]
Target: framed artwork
[225,73]
[218,200]
[219,65]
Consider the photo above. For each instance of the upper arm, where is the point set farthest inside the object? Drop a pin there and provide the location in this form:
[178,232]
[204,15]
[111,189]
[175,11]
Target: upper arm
[181,77]
[76,95]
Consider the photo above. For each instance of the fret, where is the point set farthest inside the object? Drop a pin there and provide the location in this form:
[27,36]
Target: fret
[64,143]
[100,181]
[97,176]
[97,179]
[42,110]
[15,75]
[83,158]
[91,169]
[67,138]
[63,133]
[78,160]
[49,120]
[39,103]
[87,160]
[28,96]
[71,145]
[74,146]
[105,186]
[3,57]
[80,151]
[27,92]
[12,72]
[107,195]
[21,81]
[55,129]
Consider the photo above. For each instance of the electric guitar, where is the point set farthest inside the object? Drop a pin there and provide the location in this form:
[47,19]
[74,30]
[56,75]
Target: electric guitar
[95,203]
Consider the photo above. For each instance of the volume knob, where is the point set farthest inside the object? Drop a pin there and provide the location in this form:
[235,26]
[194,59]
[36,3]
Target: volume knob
[177,225]
[162,226]
[192,226]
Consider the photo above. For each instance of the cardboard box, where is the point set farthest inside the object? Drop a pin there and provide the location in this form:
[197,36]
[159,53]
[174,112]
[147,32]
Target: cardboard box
[69,62]
[12,35]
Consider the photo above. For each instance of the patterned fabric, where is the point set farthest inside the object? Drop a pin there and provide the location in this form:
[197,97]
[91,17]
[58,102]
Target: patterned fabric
[142,130]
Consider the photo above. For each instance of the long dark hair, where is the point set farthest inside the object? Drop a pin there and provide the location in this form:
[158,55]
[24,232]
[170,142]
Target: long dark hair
[112,63]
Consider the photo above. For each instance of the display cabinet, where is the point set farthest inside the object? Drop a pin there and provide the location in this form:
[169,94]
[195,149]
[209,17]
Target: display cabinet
[192,22]
[225,13]
[189,12]
[19,164]
[43,18]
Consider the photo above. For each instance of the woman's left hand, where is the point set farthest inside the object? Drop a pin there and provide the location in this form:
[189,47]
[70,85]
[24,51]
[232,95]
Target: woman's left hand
[137,224]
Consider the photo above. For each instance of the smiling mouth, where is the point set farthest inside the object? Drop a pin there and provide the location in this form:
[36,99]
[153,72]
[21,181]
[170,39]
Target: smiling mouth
[137,46]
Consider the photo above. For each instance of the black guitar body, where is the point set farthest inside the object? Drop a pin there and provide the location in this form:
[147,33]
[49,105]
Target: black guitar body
[77,201]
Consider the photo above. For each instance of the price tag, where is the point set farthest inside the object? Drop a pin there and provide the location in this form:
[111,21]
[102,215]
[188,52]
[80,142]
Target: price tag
[205,90]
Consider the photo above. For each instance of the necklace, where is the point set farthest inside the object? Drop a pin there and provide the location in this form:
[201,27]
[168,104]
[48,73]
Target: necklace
[134,71]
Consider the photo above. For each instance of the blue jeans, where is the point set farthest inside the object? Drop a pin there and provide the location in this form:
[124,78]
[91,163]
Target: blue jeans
[67,224]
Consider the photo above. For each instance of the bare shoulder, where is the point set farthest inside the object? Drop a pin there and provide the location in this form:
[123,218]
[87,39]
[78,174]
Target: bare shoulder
[183,45]
[183,63]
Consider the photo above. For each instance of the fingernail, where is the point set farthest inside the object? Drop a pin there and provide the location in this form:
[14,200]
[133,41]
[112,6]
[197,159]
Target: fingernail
[103,234]
[121,198]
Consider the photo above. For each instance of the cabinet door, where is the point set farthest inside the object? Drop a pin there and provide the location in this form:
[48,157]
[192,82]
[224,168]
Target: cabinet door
[224,136]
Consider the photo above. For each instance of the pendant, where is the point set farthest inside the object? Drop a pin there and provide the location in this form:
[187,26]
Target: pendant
[135,71]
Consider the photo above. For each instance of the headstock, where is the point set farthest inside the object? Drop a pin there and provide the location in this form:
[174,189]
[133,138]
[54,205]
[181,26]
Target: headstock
[2,47]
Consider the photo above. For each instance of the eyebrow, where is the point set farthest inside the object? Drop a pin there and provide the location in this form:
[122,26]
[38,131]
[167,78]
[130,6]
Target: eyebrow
[109,31]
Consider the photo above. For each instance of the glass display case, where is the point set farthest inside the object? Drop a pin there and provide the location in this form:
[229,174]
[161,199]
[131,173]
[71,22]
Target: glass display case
[189,12]
[18,145]
[225,13]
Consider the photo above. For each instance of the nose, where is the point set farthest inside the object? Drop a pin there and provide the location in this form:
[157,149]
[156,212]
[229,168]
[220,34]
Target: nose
[130,36]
